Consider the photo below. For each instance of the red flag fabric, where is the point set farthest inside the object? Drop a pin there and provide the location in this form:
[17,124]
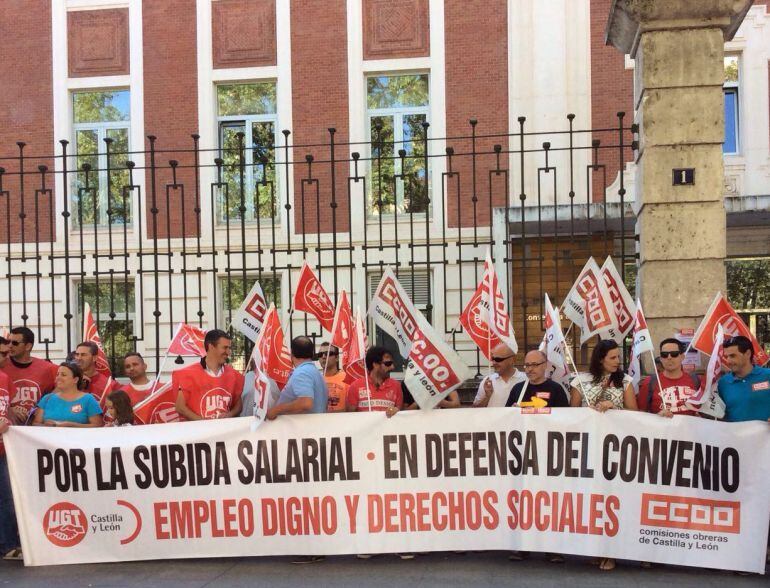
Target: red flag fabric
[91,333]
[722,313]
[588,305]
[622,304]
[311,297]
[276,361]
[159,407]
[355,358]
[187,340]
[342,331]
[488,324]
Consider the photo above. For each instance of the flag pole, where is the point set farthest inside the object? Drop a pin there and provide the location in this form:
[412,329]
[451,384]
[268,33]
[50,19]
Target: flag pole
[657,376]
[523,390]
[359,333]
[163,363]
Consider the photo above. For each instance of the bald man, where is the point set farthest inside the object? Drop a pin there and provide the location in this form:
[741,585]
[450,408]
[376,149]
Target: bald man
[495,388]
[538,390]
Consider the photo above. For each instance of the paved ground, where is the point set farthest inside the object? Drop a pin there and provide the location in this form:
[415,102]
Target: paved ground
[438,569]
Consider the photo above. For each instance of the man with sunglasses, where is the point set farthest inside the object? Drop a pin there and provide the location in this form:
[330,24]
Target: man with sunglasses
[538,390]
[677,385]
[495,389]
[746,389]
[329,358]
[31,377]
[378,391]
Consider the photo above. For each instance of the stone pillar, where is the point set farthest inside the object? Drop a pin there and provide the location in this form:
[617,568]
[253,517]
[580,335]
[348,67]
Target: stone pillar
[678,47]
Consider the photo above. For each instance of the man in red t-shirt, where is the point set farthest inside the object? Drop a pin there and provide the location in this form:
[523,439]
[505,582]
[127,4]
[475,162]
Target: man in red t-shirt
[97,383]
[140,385]
[31,377]
[9,532]
[209,389]
[378,391]
[678,385]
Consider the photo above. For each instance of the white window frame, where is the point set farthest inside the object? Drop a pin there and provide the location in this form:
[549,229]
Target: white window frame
[101,129]
[398,113]
[248,173]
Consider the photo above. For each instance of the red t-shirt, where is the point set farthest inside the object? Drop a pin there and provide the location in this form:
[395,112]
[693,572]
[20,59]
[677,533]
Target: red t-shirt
[205,394]
[29,382]
[675,392]
[383,397]
[138,393]
[97,385]
[5,404]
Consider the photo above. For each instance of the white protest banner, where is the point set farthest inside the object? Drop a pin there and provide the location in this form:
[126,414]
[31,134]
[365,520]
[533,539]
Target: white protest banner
[622,484]
[588,306]
[393,311]
[251,313]
[433,368]
[622,304]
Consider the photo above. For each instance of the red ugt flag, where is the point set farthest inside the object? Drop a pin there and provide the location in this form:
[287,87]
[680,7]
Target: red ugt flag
[342,331]
[91,333]
[355,358]
[721,313]
[159,407]
[275,358]
[311,297]
[187,340]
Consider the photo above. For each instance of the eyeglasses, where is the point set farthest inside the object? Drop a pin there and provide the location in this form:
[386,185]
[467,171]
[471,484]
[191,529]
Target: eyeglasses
[499,359]
[533,365]
[387,363]
[670,353]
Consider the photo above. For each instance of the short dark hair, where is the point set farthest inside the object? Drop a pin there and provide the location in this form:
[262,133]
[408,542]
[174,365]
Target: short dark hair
[743,344]
[93,347]
[27,336]
[303,347]
[133,354]
[213,336]
[672,341]
[375,355]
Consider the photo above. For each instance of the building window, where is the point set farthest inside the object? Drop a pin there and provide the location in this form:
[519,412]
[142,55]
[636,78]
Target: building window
[748,290]
[397,107]
[415,284]
[113,307]
[731,86]
[249,109]
[234,290]
[98,195]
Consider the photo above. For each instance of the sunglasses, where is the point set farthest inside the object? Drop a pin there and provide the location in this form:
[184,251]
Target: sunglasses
[324,354]
[499,359]
[387,363]
[670,353]
[15,343]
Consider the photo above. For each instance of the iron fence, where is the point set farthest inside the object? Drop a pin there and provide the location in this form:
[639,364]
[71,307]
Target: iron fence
[154,236]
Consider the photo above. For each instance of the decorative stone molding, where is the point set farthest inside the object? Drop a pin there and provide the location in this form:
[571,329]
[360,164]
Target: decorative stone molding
[98,42]
[243,33]
[395,28]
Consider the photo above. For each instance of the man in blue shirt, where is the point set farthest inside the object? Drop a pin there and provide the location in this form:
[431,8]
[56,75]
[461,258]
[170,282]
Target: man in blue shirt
[306,391]
[746,390]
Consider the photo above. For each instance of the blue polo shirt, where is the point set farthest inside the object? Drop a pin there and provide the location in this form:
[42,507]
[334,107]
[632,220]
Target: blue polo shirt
[306,381]
[746,399]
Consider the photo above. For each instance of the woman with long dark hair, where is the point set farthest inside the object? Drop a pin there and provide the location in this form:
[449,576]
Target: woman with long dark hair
[118,407]
[68,405]
[605,387]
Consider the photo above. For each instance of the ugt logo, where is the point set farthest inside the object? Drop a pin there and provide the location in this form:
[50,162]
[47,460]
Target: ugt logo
[64,524]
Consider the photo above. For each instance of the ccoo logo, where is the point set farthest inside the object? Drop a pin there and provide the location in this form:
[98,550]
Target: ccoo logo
[64,524]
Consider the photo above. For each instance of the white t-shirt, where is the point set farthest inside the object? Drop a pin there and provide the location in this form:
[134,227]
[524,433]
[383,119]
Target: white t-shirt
[501,389]
[591,392]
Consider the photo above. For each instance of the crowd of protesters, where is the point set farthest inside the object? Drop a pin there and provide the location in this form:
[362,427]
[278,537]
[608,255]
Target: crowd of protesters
[34,391]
